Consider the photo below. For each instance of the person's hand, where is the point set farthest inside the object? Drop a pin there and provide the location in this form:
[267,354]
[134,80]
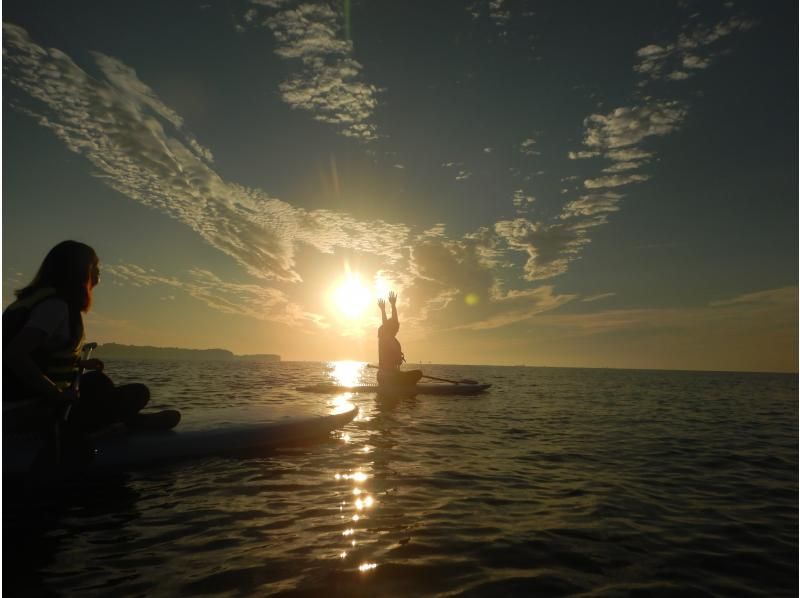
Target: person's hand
[93,364]
[382,304]
[392,297]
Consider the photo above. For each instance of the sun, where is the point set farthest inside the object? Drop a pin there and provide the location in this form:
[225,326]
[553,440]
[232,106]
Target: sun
[351,297]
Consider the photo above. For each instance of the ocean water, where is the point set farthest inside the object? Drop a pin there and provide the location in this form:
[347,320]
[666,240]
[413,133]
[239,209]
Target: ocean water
[556,482]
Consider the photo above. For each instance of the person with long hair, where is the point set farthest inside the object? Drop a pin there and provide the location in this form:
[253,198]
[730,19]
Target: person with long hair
[42,336]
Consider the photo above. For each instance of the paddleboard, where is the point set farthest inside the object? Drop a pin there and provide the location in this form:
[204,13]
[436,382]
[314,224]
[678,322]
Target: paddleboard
[418,389]
[213,433]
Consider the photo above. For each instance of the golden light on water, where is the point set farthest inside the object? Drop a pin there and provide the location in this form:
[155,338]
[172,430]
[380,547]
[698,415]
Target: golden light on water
[346,373]
[362,501]
[358,476]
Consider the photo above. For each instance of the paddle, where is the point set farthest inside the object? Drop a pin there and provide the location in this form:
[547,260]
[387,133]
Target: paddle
[463,381]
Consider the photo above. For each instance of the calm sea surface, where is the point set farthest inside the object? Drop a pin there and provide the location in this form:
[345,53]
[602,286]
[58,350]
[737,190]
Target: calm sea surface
[556,482]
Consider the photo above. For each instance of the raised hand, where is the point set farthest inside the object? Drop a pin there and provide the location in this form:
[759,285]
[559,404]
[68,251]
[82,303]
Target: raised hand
[392,297]
[382,304]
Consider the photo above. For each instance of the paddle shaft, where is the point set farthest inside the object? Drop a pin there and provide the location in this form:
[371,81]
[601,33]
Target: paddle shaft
[464,381]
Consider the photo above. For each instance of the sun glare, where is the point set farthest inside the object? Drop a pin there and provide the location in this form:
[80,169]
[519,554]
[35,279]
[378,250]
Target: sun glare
[352,297]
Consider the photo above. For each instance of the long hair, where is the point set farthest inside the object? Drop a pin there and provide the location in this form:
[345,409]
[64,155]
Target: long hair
[67,268]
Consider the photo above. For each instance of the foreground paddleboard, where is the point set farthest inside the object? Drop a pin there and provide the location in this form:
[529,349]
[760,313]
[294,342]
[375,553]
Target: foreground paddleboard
[215,433]
[417,389]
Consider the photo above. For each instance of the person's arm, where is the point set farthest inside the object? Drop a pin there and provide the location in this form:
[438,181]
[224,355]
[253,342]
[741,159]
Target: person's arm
[392,302]
[18,356]
[382,305]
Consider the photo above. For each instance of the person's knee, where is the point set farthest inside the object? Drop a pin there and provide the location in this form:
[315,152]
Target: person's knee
[96,385]
[136,394]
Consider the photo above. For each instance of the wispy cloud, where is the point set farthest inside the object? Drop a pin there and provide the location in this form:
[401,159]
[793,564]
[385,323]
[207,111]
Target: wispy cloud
[550,247]
[522,201]
[690,52]
[621,136]
[627,126]
[518,306]
[329,82]
[250,300]
[592,204]
[614,181]
[757,331]
[528,147]
[462,173]
[123,136]
[593,298]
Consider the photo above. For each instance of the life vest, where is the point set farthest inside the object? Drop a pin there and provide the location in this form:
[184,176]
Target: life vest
[59,365]
[390,354]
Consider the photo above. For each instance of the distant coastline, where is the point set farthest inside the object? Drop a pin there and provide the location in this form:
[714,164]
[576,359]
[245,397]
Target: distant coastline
[118,351]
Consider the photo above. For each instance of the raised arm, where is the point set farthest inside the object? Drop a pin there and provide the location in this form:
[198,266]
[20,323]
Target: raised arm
[382,305]
[392,302]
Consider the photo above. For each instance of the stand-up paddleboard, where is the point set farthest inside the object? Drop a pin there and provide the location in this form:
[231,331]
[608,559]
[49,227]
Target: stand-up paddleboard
[417,389]
[210,433]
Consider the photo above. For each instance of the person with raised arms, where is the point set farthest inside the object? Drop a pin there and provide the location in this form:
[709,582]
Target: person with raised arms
[390,353]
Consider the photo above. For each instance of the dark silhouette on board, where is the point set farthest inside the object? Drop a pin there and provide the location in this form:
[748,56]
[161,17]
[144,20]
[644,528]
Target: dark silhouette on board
[390,354]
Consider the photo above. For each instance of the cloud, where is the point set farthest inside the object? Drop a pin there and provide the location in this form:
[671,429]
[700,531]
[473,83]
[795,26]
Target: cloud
[518,306]
[527,147]
[627,126]
[117,125]
[764,310]
[124,79]
[592,204]
[249,300]
[618,135]
[688,53]
[614,180]
[755,332]
[522,201]
[550,247]
[582,155]
[329,82]
[628,154]
[623,166]
[786,297]
[499,13]
[594,298]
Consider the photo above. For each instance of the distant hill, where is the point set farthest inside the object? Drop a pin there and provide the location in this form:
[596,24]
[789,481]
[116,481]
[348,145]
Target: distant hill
[117,351]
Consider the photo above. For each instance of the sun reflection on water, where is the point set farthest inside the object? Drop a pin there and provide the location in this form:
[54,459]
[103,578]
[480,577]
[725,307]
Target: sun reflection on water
[346,373]
[361,502]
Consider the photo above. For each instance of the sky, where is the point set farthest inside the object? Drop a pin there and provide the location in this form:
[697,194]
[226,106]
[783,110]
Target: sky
[563,183]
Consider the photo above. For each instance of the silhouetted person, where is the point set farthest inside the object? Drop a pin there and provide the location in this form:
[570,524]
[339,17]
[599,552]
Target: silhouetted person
[390,354]
[42,338]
